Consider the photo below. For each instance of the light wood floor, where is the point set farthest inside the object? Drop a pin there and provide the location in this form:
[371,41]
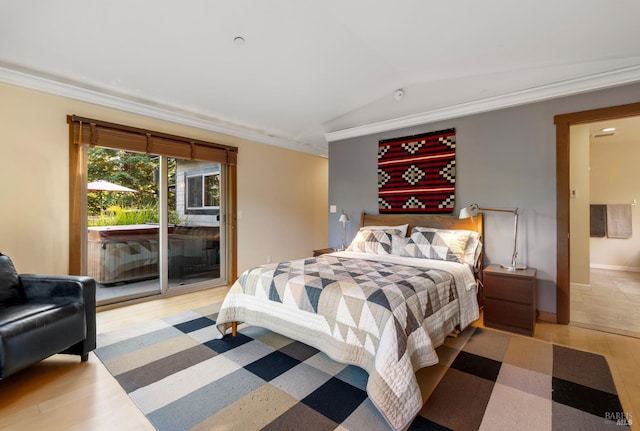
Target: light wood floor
[61,393]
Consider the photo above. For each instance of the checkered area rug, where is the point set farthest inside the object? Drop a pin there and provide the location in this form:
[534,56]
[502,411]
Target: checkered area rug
[182,377]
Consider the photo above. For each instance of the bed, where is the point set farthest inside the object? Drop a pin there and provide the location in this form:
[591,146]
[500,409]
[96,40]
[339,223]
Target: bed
[385,303]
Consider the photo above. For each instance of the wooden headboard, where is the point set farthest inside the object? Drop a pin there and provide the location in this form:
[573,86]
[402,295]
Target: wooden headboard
[437,221]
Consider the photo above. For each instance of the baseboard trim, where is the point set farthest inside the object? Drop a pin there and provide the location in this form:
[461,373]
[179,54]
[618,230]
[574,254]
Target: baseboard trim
[545,316]
[580,286]
[615,267]
[606,329]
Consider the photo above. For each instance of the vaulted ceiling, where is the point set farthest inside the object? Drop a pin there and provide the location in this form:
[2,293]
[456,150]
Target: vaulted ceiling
[307,72]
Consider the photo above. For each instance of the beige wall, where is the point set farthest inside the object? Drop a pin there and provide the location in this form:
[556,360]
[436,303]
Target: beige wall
[579,205]
[282,194]
[282,200]
[615,179]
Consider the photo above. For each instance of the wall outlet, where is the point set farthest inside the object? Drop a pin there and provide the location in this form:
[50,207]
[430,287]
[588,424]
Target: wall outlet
[268,259]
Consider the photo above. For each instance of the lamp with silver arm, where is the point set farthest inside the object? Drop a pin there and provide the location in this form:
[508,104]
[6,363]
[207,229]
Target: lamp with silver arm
[473,209]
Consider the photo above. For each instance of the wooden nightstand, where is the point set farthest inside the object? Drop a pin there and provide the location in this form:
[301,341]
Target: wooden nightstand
[510,299]
[322,251]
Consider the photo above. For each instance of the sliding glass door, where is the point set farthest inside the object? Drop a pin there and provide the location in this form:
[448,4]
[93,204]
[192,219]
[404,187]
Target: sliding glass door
[195,237]
[153,224]
[150,213]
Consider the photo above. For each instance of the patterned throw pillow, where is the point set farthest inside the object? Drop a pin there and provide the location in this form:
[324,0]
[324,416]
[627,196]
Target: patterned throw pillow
[437,244]
[398,244]
[373,241]
[401,227]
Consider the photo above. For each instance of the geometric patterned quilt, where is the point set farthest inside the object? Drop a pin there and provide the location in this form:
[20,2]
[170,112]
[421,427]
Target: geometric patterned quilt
[417,174]
[384,317]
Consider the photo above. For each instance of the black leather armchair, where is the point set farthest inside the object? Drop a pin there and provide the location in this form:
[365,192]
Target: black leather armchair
[42,315]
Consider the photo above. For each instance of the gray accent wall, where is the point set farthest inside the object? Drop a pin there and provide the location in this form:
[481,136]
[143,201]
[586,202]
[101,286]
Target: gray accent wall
[504,158]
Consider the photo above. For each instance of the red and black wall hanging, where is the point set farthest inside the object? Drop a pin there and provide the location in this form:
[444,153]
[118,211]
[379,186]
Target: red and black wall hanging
[417,174]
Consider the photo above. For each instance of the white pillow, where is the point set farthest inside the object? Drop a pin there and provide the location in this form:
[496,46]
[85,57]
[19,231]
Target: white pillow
[373,241]
[438,244]
[473,250]
[402,228]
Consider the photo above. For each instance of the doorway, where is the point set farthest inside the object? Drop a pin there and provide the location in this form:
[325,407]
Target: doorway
[605,245]
[563,189]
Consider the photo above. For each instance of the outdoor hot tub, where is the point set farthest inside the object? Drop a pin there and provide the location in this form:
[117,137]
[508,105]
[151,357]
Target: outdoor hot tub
[122,253]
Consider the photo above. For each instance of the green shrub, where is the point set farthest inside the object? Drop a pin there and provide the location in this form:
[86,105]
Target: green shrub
[118,216]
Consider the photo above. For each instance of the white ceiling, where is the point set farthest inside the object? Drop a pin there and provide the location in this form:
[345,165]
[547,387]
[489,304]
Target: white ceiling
[312,71]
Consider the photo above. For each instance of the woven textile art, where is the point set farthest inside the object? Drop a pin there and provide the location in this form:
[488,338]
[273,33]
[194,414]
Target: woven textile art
[417,174]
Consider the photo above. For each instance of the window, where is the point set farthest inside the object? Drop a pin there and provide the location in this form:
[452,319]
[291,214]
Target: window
[203,191]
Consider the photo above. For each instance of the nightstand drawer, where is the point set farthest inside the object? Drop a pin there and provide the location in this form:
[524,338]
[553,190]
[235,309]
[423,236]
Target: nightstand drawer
[516,289]
[509,316]
[510,299]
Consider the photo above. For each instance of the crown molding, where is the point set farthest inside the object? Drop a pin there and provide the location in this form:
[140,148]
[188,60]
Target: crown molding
[72,90]
[565,88]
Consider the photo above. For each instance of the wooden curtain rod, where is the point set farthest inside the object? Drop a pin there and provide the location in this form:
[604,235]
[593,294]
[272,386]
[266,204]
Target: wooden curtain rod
[145,132]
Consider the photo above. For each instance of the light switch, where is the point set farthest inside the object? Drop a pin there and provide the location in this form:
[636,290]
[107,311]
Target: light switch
[333,209]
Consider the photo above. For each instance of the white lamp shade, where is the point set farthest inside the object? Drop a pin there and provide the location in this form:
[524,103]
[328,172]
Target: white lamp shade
[470,211]
[343,218]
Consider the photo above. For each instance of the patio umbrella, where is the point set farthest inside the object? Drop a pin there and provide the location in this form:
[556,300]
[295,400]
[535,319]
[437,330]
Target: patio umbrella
[106,186]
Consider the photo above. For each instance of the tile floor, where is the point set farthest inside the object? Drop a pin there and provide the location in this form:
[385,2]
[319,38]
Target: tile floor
[611,303]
